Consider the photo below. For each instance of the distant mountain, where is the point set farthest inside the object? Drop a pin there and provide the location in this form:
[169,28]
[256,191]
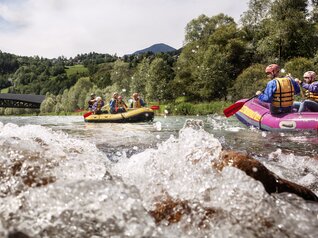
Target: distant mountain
[156,48]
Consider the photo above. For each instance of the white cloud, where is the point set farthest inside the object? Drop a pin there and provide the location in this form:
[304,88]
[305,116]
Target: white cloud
[52,28]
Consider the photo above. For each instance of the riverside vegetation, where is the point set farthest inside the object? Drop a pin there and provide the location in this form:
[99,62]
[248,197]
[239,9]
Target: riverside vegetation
[221,61]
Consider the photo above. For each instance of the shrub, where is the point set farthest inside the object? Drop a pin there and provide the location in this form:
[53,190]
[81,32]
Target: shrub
[248,82]
[184,108]
[297,66]
[194,109]
[181,99]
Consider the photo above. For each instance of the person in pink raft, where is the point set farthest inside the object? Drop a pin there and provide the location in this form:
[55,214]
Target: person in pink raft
[311,93]
[279,91]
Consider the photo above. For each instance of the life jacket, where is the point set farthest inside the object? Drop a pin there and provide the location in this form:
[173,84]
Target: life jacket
[90,103]
[284,94]
[311,95]
[136,104]
[121,104]
[99,106]
[116,102]
[113,109]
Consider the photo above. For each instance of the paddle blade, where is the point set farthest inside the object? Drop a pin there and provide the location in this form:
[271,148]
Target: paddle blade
[87,114]
[155,107]
[231,110]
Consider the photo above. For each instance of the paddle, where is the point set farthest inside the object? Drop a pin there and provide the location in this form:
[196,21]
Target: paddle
[231,110]
[301,91]
[87,114]
[155,107]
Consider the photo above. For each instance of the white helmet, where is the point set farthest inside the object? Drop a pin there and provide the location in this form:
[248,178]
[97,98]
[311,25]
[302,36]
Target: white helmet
[311,75]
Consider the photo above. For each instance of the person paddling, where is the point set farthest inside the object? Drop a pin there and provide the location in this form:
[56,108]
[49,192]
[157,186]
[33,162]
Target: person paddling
[91,101]
[279,91]
[121,105]
[137,102]
[97,106]
[113,103]
[311,94]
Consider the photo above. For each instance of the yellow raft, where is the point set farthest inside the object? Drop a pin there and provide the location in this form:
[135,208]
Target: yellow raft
[135,115]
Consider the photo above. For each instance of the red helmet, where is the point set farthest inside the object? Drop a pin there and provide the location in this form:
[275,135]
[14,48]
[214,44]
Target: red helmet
[311,75]
[272,69]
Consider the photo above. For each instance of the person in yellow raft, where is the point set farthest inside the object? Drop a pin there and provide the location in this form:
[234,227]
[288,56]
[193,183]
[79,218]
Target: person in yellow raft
[137,102]
[121,105]
[279,91]
[91,101]
[116,104]
[97,106]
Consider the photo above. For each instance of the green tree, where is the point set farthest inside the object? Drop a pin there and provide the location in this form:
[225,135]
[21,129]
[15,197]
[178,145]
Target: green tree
[248,82]
[102,78]
[121,77]
[297,66]
[258,10]
[254,26]
[157,82]
[289,32]
[314,12]
[213,75]
[208,66]
[185,69]
[48,104]
[8,63]
[76,97]
[140,77]
[203,26]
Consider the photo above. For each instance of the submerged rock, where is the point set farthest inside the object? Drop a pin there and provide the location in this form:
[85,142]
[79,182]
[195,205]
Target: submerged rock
[255,169]
[17,234]
[170,210]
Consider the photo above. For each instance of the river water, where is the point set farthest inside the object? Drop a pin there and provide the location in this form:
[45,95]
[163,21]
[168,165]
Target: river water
[61,177]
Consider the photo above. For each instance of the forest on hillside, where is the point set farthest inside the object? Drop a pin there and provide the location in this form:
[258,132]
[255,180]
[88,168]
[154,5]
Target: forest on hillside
[221,60]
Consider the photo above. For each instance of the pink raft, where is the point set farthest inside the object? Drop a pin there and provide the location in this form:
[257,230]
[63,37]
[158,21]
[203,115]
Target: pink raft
[257,114]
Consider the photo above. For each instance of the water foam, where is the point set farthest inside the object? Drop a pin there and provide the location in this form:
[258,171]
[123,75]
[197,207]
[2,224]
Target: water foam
[34,154]
[181,168]
[94,197]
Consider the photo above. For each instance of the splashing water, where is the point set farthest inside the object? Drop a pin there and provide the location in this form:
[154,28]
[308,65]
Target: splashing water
[59,180]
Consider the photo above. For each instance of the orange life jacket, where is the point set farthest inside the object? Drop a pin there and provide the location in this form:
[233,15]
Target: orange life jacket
[136,104]
[99,105]
[312,96]
[284,94]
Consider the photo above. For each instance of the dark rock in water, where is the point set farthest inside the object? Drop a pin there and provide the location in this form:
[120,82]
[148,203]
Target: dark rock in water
[34,177]
[170,210]
[255,169]
[18,234]
[26,173]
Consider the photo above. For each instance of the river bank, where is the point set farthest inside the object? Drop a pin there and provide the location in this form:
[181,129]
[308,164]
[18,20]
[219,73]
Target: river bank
[192,109]
[169,108]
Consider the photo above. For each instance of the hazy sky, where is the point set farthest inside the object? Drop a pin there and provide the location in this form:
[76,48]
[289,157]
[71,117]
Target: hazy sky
[51,28]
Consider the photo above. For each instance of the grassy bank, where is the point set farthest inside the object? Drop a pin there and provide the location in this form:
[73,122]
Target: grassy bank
[4,90]
[76,69]
[187,108]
